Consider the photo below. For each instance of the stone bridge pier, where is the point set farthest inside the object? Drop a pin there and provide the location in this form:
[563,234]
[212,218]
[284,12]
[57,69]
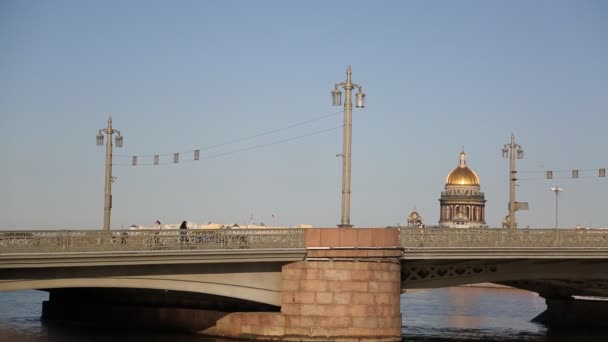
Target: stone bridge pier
[568,313]
[347,289]
[571,304]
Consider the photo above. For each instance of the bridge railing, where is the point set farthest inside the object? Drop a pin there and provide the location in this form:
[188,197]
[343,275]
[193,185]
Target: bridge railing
[502,238]
[142,240]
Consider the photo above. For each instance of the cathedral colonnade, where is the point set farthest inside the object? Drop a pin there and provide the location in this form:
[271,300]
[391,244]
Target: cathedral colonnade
[475,212]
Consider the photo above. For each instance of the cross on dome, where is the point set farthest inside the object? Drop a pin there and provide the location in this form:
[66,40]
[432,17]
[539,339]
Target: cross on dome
[463,158]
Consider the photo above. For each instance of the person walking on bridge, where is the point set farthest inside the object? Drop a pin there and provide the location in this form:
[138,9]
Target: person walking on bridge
[183,232]
[157,227]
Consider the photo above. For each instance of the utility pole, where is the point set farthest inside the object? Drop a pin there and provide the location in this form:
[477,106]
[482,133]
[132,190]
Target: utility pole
[108,179]
[509,151]
[348,86]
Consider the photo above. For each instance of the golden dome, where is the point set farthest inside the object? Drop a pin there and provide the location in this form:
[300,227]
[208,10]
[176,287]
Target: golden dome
[462,175]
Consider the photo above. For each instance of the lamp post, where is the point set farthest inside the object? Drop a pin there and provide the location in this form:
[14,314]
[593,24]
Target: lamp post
[336,95]
[509,151]
[108,181]
[557,190]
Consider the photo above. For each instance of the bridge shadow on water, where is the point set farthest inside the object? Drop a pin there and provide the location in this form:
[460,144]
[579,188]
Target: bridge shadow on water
[439,315]
[53,332]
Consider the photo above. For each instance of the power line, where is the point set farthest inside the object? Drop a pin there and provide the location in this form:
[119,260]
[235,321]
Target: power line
[230,142]
[275,142]
[554,178]
[177,160]
[273,131]
[566,174]
[530,171]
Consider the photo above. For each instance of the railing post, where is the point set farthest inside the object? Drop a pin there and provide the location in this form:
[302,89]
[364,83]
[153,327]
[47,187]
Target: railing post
[66,241]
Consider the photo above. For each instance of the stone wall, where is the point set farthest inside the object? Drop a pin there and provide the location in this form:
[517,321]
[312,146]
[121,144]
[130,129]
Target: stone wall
[347,289]
[352,237]
[342,298]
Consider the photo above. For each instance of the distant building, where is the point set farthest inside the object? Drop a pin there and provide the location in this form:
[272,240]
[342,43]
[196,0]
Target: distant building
[462,204]
[414,219]
[212,225]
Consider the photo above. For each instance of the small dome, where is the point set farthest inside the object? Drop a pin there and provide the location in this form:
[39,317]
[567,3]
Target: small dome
[414,219]
[414,215]
[462,175]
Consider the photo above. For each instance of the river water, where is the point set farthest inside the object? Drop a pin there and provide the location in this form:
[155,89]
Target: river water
[449,314]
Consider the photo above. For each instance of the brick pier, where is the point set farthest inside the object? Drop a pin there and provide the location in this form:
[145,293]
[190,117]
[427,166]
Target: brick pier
[347,289]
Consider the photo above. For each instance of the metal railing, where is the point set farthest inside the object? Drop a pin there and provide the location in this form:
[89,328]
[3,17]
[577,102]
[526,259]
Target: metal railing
[197,239]
[146,240]
[502,238]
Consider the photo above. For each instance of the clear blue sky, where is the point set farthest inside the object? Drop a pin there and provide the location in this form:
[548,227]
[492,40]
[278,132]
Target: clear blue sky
[180,75]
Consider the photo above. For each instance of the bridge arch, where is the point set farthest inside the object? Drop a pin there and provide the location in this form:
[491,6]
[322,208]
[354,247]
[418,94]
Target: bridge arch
[237,291]
[256,282]
[580,277]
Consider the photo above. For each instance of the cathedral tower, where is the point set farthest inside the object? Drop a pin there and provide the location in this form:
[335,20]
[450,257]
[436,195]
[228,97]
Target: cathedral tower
[462,204]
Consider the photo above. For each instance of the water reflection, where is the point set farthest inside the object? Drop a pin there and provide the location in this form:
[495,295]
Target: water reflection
[470,313]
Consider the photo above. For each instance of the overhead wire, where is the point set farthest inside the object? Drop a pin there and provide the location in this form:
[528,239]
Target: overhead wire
[558,178]
[177,160]
[554,171]
[237,150]
[563,174]
[246,138]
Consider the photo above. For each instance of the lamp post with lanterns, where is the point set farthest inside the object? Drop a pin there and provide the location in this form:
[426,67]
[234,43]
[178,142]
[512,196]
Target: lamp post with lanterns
[109,131]
[512,151]
[336,95]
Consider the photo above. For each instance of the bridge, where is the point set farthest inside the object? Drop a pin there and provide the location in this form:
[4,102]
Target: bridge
[323,284]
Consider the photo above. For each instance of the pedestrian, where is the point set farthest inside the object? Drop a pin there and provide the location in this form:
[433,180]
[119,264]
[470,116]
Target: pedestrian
[183,232]
[157,228]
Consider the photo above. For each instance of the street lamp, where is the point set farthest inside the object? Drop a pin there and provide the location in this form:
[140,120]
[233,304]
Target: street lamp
[557,190]
[509,151]
[108,182]
[336,95]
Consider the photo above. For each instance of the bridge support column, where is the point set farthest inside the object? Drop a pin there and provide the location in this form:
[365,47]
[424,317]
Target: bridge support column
[574,313]
[342,292]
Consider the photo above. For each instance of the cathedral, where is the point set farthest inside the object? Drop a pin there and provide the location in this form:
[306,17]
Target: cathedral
[462,204]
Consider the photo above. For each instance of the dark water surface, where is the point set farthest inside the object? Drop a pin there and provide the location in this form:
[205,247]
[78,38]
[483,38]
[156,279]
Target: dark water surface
[450,314]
